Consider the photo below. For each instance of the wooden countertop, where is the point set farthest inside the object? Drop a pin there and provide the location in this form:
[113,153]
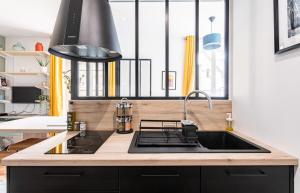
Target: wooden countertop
[114,153]
[35,124]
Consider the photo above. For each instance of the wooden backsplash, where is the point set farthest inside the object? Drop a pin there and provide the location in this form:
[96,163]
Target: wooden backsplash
[100,115]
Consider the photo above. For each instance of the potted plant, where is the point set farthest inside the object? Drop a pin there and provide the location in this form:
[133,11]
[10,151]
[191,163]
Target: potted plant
[43,64]
[44,103]
[43,98]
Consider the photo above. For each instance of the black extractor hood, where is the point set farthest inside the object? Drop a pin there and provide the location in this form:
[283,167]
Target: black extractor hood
[85,31]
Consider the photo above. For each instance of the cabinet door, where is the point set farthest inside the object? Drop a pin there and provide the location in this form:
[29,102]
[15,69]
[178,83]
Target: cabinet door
[160,180]
[63,179]
[245,180]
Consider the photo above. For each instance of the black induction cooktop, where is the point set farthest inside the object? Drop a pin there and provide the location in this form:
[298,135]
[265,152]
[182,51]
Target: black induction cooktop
[84,143]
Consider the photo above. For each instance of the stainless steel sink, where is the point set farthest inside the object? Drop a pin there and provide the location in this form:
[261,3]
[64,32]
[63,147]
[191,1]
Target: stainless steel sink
[225,142]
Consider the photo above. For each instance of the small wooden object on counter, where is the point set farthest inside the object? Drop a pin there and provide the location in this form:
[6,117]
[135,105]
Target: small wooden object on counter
[71,118]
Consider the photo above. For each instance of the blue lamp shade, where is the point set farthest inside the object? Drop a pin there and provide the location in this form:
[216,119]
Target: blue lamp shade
[212,41]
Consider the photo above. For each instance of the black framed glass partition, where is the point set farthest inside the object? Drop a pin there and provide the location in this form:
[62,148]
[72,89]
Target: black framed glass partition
[169,48]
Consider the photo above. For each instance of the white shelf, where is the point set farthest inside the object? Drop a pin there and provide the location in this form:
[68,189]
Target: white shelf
[24,53]
[5,88]
[24,73]
[42,87]
[4,101]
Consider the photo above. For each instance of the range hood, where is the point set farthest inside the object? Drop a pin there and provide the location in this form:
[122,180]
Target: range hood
[85,31]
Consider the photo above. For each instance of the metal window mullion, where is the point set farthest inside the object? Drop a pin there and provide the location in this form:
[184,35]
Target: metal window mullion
[118,77]
[197,67]
[150,77]
[137,48]
[226,50]
[74,80]
[167,46]
[130,78]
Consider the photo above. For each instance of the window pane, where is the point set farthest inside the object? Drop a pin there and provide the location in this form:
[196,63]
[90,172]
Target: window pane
[90,79]
[182,47]
[82,79]
[152,51]
[152,47]
[124,18]
[145,79]
[127,79]
[100,78]
[212,62]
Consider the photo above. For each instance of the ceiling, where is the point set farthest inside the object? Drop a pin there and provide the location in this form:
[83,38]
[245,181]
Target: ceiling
[28,18]
[34,18]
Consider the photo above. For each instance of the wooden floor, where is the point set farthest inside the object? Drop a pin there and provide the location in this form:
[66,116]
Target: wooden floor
[2,179]
[2,173]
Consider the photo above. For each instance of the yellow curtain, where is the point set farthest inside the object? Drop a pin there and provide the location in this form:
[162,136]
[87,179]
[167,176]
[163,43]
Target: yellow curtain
[112,79]
[189,66]
[56,84]
[58,149]
[56,93]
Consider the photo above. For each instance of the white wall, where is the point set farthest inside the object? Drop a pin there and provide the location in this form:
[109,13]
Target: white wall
[266,88]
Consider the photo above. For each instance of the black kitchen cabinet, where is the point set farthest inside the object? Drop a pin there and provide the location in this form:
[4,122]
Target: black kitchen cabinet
[160,180]
[247,179]
[206,179]
[63,180]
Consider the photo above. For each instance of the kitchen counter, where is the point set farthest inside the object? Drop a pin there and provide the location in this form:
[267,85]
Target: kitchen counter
[114,153]
[35,124]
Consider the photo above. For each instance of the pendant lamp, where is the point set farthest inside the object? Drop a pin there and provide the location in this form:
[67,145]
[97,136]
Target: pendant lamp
[212,41]
[85,31]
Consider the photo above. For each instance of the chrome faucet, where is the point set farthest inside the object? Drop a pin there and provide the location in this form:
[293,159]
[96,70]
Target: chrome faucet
[210,106]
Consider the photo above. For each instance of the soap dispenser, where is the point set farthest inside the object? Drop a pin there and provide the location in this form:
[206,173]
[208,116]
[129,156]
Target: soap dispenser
[229,121]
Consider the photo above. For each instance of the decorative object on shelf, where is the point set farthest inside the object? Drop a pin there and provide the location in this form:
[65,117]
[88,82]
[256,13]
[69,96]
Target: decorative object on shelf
[43,64]
[124,116]
[212,41]
[45,85]
[287,25]
[172,80]
[3,81]
[18,47]
[39,47]
[22,69]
